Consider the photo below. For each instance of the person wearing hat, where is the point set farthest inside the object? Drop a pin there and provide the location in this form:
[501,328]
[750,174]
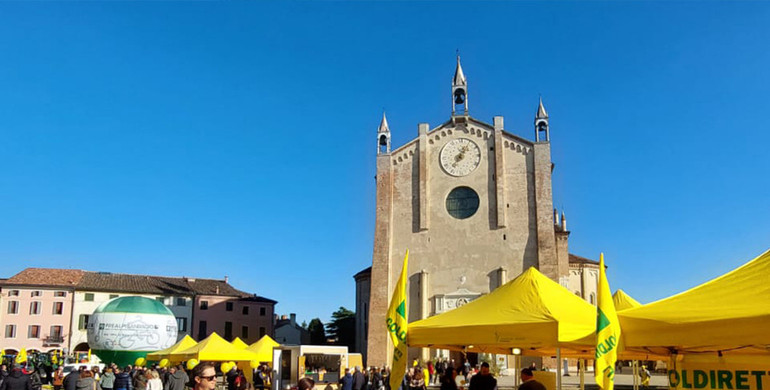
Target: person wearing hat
[16,380]
[483,380]
[529,382]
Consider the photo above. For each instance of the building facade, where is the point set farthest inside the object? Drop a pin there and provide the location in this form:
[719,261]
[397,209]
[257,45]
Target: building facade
[48,309]
[472,202]
[232,314]
[288,332]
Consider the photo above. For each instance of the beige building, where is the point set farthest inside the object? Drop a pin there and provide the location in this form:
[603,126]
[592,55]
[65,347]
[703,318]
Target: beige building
[472,202]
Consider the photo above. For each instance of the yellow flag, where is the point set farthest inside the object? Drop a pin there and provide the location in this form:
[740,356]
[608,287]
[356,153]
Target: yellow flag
[89,355]
[607,332]
[22,356]
[397,325]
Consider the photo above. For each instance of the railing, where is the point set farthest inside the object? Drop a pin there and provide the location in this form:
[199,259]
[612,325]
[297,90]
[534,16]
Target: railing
[54,339]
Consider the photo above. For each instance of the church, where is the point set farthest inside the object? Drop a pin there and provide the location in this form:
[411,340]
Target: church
[472,202]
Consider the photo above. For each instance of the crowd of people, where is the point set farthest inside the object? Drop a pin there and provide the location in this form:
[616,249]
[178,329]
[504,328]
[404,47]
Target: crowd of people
[113,377]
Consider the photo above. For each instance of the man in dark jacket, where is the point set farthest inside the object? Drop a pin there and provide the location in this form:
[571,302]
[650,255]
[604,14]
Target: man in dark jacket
[16,381]
[346,382]
[230,376]
[122,379]
[71,380]
[359,380]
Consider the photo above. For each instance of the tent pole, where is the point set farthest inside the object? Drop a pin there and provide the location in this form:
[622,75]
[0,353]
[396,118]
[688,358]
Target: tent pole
[558,368]
[635,373]
[582,364]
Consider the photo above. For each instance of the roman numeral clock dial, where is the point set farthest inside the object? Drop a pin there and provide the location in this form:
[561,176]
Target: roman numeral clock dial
[460,157]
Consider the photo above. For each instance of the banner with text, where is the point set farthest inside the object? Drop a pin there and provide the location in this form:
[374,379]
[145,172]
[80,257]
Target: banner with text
[712,372]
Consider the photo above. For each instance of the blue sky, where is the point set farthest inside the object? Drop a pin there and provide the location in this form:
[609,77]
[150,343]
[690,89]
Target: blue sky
[238,138]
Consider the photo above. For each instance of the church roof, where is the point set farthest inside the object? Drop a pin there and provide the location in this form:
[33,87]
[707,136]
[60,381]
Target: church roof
[575,259]
[459,78]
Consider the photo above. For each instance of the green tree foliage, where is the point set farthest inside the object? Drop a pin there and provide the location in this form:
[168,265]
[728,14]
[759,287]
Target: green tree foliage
[342,328]
[317,332]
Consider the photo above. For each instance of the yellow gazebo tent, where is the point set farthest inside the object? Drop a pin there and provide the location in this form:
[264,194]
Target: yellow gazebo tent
[264,349]
[239,343]
[531,312]
[624,301]
[184,343]
[729,313]
[214,348]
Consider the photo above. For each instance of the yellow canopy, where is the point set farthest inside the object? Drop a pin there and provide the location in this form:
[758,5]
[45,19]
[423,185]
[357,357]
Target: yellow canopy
[623,301]
[531,312]
[238,343]
[729,312]
[214,348]
[184,343]
[264,348]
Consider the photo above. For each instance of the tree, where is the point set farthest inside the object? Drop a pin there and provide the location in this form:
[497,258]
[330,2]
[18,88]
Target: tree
[317,332]
[304,324]
[342,328]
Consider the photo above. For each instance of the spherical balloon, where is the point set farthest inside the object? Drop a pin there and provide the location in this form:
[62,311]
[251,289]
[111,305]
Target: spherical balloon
[254,364]
[139,362]
[192,363]
[124,329]
[163,363]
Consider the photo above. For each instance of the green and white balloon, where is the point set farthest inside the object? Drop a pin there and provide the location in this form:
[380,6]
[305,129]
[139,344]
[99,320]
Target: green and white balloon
[124,329]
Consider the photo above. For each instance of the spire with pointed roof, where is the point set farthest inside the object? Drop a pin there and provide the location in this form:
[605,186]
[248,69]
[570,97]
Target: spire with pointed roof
[459,78]
[459,90]
[542,131]
[383,125]
[541,113]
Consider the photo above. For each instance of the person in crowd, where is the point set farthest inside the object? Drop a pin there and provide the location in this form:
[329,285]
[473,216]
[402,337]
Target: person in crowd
[258,379]
[385,374]
[107,381]
[431,372]
[34,378]
[644,373]
[177,379]
[153,380]
[483,380]
[448,381]
[346,381]
[305,384]
[139,380]
[3,372]
[122,379]
[417,382]
[266,376]
[241,383]
[204,377]
[529,382]
[86,381]
[58,378]
[97,377]
[16,380]
[376,378]
[70,381]
[359,380]
[230,377]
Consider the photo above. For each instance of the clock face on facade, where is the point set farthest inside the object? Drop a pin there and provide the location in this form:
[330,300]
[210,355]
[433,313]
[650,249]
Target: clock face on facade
[460,157]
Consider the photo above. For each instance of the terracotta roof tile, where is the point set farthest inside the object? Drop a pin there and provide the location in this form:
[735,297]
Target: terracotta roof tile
[128,283]
[575,259]
[47,277]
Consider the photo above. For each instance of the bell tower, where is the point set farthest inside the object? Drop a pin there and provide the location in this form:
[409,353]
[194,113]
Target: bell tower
[459,91]
[383,136]
[542,131]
